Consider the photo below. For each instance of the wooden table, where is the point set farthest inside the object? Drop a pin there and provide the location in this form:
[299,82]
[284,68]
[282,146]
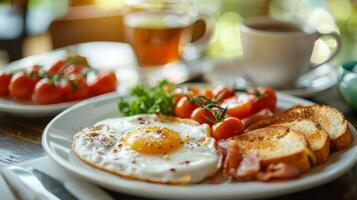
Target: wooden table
[20,140]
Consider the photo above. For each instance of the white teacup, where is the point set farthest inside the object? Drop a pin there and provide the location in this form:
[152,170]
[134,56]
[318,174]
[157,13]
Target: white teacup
[276,53]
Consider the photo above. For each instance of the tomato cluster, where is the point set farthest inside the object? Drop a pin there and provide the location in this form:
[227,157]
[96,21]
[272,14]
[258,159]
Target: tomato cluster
[238,107]
[66,80]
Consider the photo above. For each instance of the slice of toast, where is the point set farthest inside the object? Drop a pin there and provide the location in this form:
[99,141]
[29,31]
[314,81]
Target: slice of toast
[316,137]
[329,119]
[277,144]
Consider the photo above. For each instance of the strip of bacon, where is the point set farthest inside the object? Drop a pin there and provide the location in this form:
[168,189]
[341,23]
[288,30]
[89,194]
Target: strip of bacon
[256,117]
[278,171]
[244,168]
[233,157]
[249,166]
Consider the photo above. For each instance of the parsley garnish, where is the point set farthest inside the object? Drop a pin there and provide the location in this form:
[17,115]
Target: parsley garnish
[148,99]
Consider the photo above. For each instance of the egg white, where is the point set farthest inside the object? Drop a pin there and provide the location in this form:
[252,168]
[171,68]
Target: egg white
[101,145]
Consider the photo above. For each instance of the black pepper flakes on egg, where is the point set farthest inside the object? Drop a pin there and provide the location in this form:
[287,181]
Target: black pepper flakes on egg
[173,170]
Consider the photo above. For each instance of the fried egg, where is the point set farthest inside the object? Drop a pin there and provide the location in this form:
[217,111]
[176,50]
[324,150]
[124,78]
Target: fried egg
[149,147]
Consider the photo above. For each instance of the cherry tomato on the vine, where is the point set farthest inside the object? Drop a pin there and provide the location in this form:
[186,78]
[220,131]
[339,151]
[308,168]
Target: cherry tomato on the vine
[207,92]
[5,79]
[200,115]
[73,69]
[104,83]
[22,85]
[184,108]
[56,67]
[222,93]
[263,97]
[47,93]
[76,88]
[238,106]
[227,128]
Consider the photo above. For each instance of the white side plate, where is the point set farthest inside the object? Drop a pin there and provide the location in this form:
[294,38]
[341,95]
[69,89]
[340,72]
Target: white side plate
[101,55]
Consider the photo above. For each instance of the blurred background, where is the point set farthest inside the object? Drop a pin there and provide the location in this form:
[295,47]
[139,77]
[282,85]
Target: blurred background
[29,27]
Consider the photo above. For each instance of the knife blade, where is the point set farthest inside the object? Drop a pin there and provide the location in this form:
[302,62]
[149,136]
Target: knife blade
[52,185]
[40,184]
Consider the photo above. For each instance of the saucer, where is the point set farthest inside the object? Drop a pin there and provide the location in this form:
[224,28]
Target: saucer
[231,72]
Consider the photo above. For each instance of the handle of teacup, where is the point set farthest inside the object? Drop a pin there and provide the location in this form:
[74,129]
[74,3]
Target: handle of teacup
[338,40]
[195,49]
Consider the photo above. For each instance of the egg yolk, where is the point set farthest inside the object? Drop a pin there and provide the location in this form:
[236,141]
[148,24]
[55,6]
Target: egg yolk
[153,140]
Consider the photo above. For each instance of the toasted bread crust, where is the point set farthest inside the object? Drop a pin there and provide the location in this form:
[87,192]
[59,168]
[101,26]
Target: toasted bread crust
[338,141]
[300,160]
[316,134]
[344,141]
[323,153]
[251,141]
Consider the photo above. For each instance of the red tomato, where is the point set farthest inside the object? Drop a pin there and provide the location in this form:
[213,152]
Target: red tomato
[263,97]
[229,127]
[47,93]
[22,85]
[184,108]
[73,69]
[178,96]
[76,88]
[207,92]
[180,92]
[56,67]
[4,84]
[104,83]
[238,106]
[222,93]
[35,70]
[193,91]
[201,115]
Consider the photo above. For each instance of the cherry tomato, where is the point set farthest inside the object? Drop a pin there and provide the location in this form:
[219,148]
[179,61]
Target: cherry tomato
[238,106]
[4,84]
[76,88]
[193,91]
[35,70]
[184,108]
[207,92]
[229,127]
[178,95]
[56,67]
[22,85]
[222,93]
[73,69]
[201,115]
[105,82]
[263,97]
[47,93]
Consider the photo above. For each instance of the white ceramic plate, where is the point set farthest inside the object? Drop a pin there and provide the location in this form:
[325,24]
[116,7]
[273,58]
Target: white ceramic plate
[313,83]
[57,138]
[101,55]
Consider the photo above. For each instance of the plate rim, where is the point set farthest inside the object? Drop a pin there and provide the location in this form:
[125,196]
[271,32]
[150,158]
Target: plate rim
[167,191]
